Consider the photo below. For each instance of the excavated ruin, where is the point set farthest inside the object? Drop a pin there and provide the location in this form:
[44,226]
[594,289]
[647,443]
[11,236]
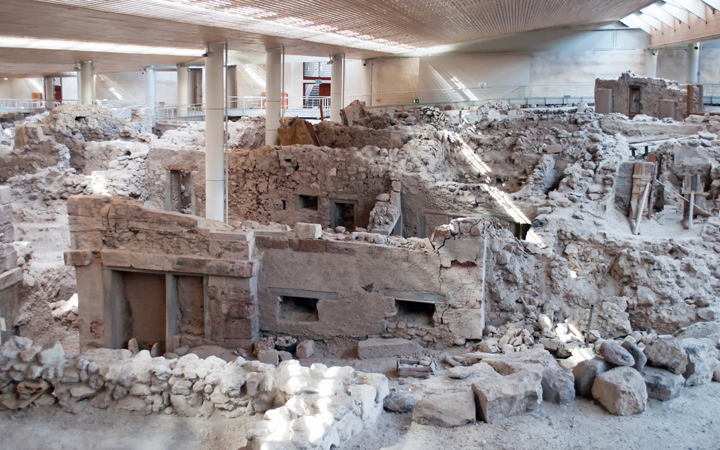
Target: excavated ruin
[486,260]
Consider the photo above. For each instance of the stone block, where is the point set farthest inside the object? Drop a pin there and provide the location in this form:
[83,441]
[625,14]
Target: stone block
[661,384]
[78,258]
[603,101]
[7,233]
[269,357]
[621,391]
[8,257]
[308,246]
[241,328]
[668,353]
[502,397]
[446,410]
[585,373]
[558,386]
[400,402]
[5,195]
[6,214]
[86,205]
[465,323]
[308,230]
[637,354]
[615,354]
[701,354]
[52,354]
[10,278]
[385,348]
[305,349]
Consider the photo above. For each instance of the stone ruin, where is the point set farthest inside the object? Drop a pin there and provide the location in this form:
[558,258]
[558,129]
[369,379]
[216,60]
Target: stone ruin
[634,95]
[502,257]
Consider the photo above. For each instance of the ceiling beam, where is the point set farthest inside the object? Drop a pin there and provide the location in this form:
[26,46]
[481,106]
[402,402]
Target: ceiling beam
[660,14]
[680,14]
[696,7]
[698,30]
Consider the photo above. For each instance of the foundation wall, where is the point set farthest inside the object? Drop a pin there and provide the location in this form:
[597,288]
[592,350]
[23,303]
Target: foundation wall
[113,236]
[11,276]
[137,271]
[650,96]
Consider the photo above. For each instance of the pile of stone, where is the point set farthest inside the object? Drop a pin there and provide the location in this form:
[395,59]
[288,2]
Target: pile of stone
[387,211]
[66,311]
[273,350]
[623,377]
[488,388]
[432,116]
[301,405]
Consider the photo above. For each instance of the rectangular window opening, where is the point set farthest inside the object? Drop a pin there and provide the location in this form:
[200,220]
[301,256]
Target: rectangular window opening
[420,313]
[307,202]
[298,309]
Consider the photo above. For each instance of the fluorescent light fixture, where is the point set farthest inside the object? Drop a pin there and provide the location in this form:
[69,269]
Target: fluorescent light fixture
[103,47]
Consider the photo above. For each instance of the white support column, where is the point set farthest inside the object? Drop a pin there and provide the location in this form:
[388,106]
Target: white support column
[214,132]
[232,86]
[87,83]
[150,93]
[272,95]
[651,61]
[49,93]
[693,63]
[183,90]
[336,87]
[79,85]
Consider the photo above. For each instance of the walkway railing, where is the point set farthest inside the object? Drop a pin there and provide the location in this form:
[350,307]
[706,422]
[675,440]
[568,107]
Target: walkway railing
[711,93]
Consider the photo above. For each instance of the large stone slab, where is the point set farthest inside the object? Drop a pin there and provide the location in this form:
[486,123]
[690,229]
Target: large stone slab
[498,398]
[384,348]
[621,391]
[667,353]
[701,361]
[661,384]
[446,410]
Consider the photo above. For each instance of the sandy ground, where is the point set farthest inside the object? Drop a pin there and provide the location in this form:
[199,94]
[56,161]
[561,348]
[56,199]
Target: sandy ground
[689,422]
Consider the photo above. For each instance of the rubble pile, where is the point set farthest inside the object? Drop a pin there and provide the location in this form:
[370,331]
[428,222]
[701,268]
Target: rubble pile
[317,405]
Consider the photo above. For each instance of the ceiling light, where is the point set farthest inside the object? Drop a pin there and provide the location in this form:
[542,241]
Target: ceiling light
[103,47]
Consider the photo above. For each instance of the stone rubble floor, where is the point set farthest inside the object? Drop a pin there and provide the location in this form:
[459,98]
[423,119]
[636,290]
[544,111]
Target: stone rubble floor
[691,421]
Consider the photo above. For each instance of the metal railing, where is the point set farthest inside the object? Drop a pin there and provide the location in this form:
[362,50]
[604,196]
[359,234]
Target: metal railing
[165,112]
[21,104]
[711,93]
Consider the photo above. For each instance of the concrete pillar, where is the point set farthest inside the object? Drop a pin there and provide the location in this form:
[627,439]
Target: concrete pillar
[79,86]
[150,93]
[49,93]
[693,63]
[87,83]
[651,61]
[273,81]
[336,87]
[214,132]
[183,90]
[232,86]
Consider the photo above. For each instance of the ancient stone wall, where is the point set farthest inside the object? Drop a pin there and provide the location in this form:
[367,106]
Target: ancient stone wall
[112,235]
[189,386]
[10,274]
[632,94]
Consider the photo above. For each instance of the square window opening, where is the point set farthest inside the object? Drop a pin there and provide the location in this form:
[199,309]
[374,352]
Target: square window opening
[420,313]
[307,202]
[298,309]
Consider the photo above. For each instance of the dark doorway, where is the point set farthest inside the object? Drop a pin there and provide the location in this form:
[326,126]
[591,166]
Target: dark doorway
[344,214]
[140,308]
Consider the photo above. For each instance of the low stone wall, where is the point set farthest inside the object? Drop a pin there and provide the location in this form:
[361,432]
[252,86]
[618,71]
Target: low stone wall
[313,405]
[10,274]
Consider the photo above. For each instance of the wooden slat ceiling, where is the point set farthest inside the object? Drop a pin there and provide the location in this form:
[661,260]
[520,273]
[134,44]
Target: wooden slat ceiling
[360,28]
[391,26]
